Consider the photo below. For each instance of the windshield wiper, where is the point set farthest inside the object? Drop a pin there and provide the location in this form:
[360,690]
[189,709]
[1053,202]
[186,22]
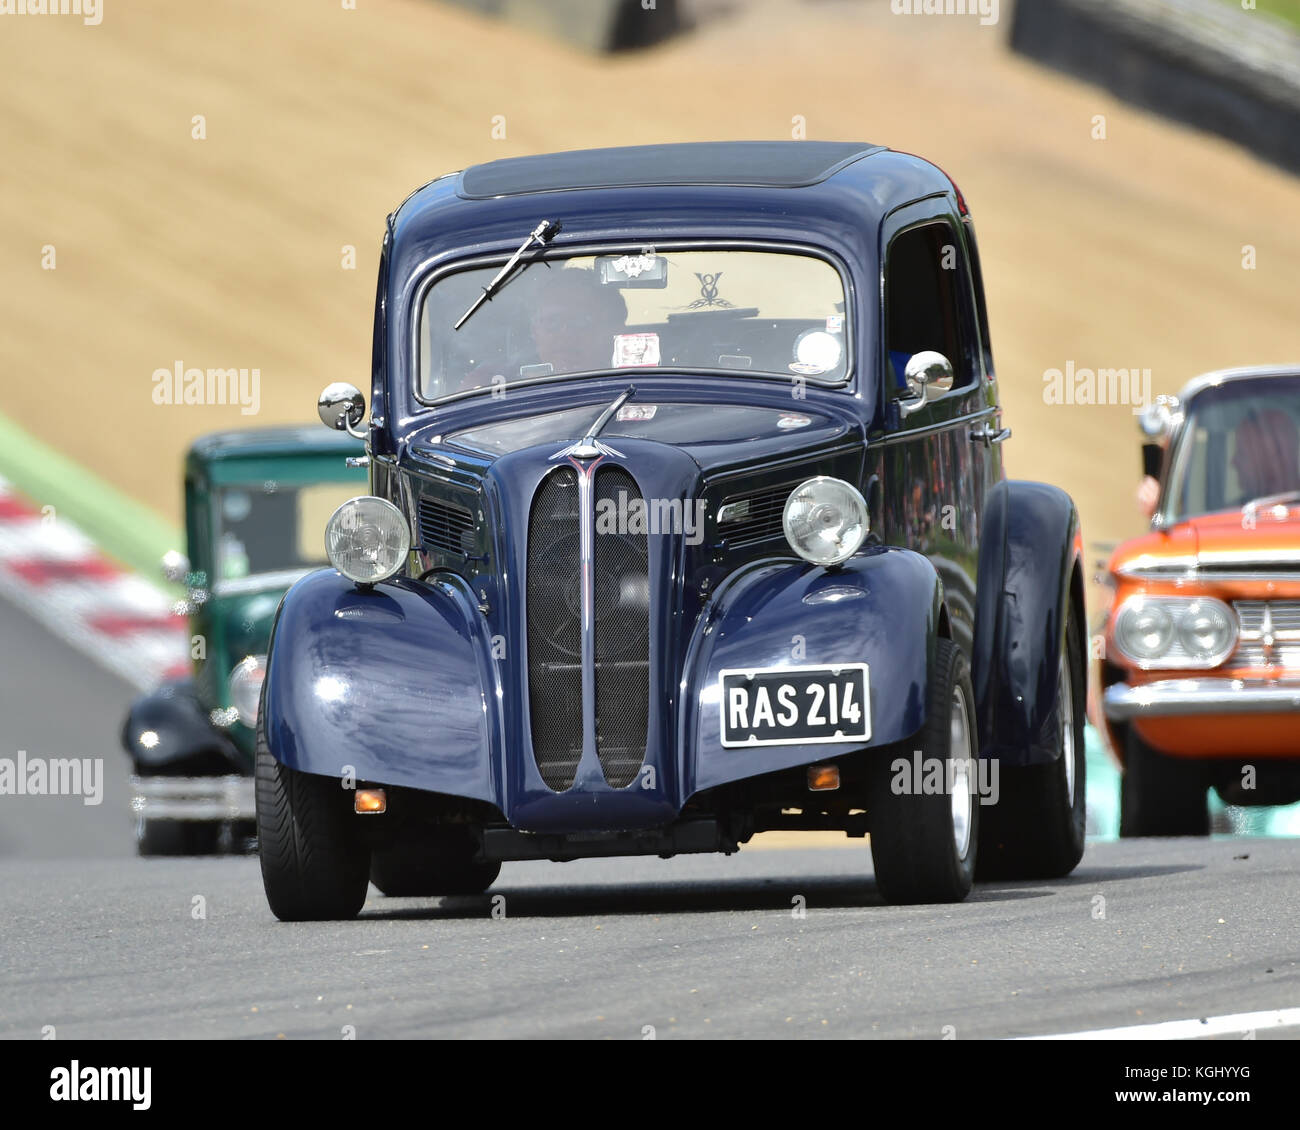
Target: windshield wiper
[542,234]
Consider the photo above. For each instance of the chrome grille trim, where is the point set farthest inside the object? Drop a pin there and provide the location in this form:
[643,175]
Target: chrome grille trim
[763,522]
[445,525]
[1269,634]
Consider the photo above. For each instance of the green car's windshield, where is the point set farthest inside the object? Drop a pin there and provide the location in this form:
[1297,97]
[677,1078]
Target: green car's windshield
[272,527]
[730,311]
[1240,443]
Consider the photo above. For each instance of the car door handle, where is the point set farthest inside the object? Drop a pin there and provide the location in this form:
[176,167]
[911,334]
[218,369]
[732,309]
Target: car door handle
[989,436]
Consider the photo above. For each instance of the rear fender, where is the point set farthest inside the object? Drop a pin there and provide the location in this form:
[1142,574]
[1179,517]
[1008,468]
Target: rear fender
[1029,560]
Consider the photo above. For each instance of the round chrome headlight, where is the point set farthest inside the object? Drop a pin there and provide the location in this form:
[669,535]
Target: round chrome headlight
[246,687]
[1207,631]
[367,539]
[1144,630]
[825,520]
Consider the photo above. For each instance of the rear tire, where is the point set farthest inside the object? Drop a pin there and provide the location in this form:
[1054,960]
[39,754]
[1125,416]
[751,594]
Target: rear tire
[923,844]
[1036,829]
[1160,795]
[314,866]
[442,865]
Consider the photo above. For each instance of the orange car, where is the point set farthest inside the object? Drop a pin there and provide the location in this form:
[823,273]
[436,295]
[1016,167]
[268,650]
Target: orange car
[1200,658]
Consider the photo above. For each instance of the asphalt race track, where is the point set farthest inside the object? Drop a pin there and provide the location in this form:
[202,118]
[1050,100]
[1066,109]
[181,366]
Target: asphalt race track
[56,703]
[693,947]
[699,946]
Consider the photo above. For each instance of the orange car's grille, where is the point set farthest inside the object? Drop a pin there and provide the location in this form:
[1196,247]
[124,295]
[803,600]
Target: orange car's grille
[1260,621]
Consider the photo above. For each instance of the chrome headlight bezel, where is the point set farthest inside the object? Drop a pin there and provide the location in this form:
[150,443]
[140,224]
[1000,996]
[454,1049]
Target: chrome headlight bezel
[389,539]
[855,523]
[1178,612]
[245,688]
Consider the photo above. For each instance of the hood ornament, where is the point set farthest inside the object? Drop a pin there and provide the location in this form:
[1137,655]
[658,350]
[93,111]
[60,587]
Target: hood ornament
[589,447]
[1268,641]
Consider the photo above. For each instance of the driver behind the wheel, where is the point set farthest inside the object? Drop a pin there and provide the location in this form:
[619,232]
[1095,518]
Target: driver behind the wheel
[574,318]
[1267,454]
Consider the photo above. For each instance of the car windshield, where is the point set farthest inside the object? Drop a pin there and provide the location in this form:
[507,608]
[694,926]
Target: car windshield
[731,311]
[1240,443]
[269,527]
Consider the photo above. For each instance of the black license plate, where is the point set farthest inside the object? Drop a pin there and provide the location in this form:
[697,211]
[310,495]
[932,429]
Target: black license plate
[795,705]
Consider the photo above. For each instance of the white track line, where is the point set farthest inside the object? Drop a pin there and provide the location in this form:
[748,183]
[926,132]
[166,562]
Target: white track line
[1237,1023]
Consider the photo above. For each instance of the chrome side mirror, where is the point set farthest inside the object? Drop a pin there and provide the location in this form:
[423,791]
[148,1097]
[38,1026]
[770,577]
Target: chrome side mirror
[175,567]
[342,407]
[1157,419]
[928,374]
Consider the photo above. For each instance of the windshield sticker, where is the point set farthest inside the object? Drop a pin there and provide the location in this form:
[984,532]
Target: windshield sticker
[637,412]
[636,349]
[808,368]
[793,420]
[835,324]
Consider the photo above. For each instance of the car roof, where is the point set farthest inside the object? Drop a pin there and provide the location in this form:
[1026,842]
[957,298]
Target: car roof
[770,164]
[1244,372]
[832,193]
[247,443]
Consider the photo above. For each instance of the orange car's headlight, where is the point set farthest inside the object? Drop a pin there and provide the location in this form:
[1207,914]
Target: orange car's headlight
[1175,631]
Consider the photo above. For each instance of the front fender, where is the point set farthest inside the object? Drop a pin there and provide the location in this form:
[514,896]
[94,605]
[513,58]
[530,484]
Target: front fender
[1028,555]
[392,681]
[880,608]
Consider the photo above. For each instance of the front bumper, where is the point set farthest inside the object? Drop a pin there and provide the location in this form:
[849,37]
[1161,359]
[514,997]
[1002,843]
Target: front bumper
[192,798]
[1180,698]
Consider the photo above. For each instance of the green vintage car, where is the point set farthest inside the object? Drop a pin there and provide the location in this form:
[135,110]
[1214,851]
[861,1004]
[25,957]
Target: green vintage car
[256,503]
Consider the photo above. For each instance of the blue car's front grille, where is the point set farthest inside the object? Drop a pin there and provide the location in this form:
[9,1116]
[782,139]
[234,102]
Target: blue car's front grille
[622,636]
[554,594]
[757,515]
[446,526]
[619,597]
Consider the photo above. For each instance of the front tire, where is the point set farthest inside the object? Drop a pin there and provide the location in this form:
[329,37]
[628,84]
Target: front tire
[1036,828]
[314,866]
[923,843]
[1159,795]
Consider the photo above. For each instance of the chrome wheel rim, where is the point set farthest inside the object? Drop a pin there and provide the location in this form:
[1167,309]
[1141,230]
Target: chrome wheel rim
[1067,727]
[961,793]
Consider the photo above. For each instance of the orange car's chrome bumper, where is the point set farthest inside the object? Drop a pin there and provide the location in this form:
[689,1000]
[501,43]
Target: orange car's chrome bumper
[1179,698]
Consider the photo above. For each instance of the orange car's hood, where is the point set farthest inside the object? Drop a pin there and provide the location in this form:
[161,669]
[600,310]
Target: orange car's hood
[1268,533]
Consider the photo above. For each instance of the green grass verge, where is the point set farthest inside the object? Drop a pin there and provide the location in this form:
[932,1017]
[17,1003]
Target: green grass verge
[124,529]
[1288,10]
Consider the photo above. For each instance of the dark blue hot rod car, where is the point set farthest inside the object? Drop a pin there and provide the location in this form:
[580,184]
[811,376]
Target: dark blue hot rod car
[688,522]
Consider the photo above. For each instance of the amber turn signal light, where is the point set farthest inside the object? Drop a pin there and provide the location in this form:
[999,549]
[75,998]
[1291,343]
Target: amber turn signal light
[371,802]
[823,778]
